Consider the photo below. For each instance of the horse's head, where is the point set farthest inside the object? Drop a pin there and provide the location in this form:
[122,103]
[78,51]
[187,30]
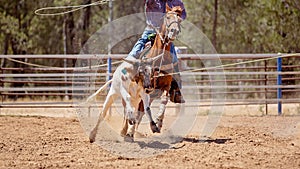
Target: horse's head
[142,70]
[172,20]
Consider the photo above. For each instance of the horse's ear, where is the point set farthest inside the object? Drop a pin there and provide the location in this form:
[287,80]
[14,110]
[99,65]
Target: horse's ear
[178,10]
[168,9]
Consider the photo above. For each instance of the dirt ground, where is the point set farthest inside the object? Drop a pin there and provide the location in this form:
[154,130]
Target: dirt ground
[238,142]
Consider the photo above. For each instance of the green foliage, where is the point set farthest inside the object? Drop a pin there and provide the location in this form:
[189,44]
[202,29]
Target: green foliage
[243,26]
[249,26]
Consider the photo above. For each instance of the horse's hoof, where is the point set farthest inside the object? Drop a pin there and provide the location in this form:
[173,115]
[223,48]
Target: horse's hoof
[154,128]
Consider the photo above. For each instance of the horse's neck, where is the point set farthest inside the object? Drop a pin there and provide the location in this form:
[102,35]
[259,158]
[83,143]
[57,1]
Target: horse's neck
[158,44]
[159,48]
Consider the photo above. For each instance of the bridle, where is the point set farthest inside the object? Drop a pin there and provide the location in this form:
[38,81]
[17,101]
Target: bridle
[168,25]
[163,37]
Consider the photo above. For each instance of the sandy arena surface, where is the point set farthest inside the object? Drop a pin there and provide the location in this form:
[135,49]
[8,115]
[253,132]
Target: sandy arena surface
[238,142]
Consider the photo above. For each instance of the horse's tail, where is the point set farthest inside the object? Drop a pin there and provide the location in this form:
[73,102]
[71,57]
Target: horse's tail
[99,90]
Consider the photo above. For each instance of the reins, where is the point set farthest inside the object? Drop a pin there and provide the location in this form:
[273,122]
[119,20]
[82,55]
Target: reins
[164,47]
[162,58]
[163,39]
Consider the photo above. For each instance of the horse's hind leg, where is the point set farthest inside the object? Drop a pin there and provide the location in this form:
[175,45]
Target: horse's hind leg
[107,104]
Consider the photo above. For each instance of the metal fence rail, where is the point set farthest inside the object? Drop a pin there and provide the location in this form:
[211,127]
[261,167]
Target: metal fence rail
[249,78]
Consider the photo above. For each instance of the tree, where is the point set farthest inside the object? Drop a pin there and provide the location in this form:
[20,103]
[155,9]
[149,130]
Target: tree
[215,17]
[235,26]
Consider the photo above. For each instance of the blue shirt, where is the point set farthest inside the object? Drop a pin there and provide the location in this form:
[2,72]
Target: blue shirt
[155,10]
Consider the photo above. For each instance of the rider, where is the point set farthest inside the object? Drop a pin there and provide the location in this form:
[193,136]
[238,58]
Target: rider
[154,11]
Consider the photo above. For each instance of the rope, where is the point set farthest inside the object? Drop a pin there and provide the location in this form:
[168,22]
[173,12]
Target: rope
[72,8]
[162,58]
[53,67]
[237,63]
[194,70]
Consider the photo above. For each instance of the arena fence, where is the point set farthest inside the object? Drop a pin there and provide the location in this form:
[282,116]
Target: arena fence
[250,79]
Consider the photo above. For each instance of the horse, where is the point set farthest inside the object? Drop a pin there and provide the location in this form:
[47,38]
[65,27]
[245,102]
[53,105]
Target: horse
[162,79]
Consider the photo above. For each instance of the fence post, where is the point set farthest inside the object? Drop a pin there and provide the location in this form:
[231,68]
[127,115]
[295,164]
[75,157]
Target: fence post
[182,66]
[110,19]
[66,79]
[89,83]
[279,83]
[266,83]
[2,85]
[109,69]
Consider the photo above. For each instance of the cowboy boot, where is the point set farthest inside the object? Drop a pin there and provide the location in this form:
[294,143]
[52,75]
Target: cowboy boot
[175,94]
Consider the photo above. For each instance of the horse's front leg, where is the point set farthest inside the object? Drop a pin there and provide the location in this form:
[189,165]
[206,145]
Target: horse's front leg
[162,109]
[146,103]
